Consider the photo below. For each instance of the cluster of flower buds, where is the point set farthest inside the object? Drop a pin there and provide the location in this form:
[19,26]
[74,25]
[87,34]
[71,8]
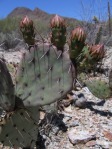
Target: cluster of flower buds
[27,29]
[76,42]
[97,52]
[58,32]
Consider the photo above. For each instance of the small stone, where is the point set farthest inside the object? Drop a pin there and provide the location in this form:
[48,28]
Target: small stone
[66,119]
[108,135]
[80,101]
[74,123]
[78,136]
[91,143]
[42,115]
[68,109]
[104,144]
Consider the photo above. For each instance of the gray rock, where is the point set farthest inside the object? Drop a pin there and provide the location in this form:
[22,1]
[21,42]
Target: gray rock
[80,101]
[74,123]
[80,136]
[104,144]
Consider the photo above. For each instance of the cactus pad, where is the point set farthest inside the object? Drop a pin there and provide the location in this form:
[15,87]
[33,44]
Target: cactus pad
[44,76]
[99,88]
[20,129]
[7,98]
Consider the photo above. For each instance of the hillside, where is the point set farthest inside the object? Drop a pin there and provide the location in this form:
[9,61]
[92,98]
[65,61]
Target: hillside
[41,20]
[37,14]
[22,11]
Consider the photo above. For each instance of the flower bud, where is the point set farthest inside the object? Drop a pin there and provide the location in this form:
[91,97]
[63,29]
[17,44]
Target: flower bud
[58,32]
[57,21]
[27,29]
[26,22]
[97,51]
[76,43]
[78,34]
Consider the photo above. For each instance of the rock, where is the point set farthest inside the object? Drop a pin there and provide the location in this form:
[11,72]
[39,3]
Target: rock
[104,144]
[68,109]
[80,101]
[74,123]
[108,135]
[42,115]
[81,136]
[66,118]
[91,143]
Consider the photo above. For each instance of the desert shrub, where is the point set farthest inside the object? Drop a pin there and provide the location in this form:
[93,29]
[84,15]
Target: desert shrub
[9,40]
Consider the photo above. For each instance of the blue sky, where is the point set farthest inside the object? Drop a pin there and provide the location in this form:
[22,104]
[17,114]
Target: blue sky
[80,9]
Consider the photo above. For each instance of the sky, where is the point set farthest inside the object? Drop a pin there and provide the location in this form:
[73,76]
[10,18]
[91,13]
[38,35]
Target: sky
[79,9]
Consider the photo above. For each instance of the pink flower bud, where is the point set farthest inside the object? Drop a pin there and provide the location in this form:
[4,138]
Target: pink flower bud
[27,30]
[97,51]
[78,34]
[26,22]
[57,21]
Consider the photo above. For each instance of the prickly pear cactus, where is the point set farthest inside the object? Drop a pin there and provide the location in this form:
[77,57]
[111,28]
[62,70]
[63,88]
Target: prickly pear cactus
[99,88]
[44,76]
[20,128]
[7,97]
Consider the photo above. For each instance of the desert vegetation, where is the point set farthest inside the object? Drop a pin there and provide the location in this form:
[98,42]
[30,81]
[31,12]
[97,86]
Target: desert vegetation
[60,58]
